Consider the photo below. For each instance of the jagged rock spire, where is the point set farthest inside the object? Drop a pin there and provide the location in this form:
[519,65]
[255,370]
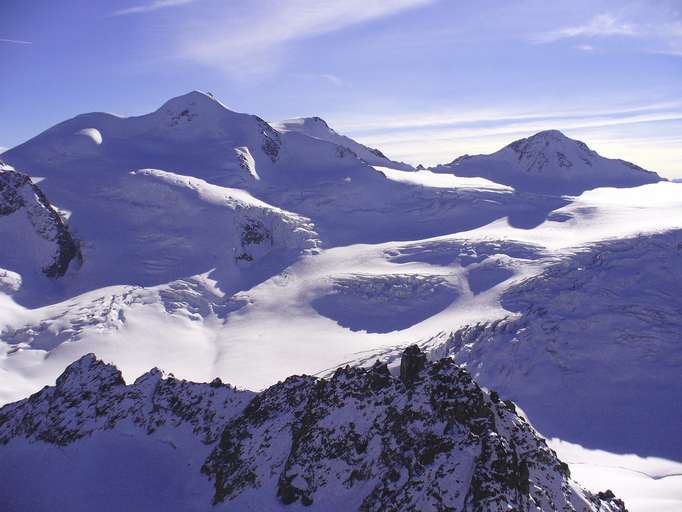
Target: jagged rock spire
[412,362]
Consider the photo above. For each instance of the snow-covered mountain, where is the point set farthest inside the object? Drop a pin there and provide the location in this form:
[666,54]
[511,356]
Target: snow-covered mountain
[601,329]
[212,244]
[318,128]
[552,163]
[361,440]
[193,133]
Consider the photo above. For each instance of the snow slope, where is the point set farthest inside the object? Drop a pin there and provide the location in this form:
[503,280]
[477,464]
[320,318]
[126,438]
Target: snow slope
[217,246]
[644,483]
[149,227]
[317,128]
[606,318]
[552,163]
[430,439]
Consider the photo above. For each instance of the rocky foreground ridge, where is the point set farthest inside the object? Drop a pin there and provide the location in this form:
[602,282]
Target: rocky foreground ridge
[364,439]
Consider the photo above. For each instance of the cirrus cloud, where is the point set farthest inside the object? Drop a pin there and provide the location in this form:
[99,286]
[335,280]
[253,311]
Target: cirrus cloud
[600,25]
[151,6]
[255,39]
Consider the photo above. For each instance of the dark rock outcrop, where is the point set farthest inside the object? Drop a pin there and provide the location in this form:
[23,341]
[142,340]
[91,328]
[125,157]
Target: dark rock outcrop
[364,440]
[412,362]
[18,192]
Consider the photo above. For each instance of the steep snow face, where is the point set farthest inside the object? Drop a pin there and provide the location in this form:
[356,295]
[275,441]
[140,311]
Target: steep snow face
[319,129]
[257,228]
[362,440]
[150,227]
[550,162]
[34,236]
[601,330]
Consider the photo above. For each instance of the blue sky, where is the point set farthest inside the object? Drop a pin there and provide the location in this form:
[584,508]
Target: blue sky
[424,80]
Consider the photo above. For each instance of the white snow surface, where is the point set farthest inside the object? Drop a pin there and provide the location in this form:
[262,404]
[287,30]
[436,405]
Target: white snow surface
[216,246]
[645,484]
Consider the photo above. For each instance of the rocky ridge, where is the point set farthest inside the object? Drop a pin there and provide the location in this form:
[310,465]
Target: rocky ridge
[430,439]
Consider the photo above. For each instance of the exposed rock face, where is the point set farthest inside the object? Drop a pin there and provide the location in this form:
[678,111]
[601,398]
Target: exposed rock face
[361,440]
[261,231]
[19,194]
[272,141]
[412,362]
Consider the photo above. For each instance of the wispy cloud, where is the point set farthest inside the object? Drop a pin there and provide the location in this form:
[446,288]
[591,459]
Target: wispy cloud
[332,79]
[423,141]
[656,32]
[15,41]
[443,118]
[254,39]
[599,26]
[151,6]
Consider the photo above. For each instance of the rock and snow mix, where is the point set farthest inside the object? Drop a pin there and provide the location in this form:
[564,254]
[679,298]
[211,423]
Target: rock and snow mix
[551,162]
[214,244]
[34,235]
[430,439]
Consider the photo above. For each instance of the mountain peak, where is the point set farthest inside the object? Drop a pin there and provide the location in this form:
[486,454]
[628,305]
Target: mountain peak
[313,126]
[313,120]
[554,134]
[88,372]
[194,104]
[551,162]
[318,128]
[548,140]
[192,97]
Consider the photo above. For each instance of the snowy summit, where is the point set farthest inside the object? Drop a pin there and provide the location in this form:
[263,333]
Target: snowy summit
[550,162]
